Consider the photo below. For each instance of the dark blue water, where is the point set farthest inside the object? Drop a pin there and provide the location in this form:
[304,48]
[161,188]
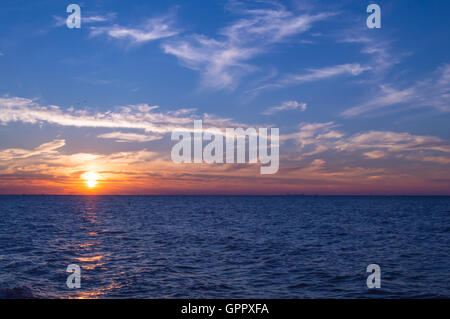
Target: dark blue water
[220,247]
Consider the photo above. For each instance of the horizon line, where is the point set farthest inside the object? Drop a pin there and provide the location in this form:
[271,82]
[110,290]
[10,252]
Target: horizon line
[259,195]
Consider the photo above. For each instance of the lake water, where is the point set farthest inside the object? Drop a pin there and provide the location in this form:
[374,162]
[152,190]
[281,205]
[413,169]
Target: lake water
[224,246]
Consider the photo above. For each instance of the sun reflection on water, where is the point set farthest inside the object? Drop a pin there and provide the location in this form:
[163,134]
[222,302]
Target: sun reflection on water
[90,254]
[97,293]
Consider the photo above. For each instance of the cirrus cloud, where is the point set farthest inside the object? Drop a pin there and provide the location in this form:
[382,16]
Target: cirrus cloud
[286,106]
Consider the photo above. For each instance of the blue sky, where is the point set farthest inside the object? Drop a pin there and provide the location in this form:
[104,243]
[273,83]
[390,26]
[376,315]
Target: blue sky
[286,64]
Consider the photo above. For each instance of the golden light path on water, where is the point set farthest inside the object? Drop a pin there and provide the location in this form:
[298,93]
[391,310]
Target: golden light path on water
[90,254]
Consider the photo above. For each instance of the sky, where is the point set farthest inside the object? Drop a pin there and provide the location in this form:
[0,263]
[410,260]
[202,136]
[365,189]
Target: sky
[91,110]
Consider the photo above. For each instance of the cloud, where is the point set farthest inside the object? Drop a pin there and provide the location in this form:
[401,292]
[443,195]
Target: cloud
[139,117]
[14,153]
[223,60]
[129,137]
[316,74]
[393,142]
[377,48]
[387,97]
[375,154]
[327,72]
[431,92]
[1,53]
[85,19]
[286,106]
[16,109]
[45,169]
[318,138]
[314,138]
[144,172]
[443,160]
[45,166]
[220,64]
[152,29]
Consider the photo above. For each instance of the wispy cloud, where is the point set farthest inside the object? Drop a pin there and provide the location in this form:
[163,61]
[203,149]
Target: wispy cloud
[152,29]
[46,169]
[86,19]
[382,59]
[431,92]
[315,134]
[15,153]
[388,142]
[327,72]
[387,97]
[316,74]
[286,106]
[319,138]
[139,116]
[129,137]
[223,60]
[15,109]
[378,49]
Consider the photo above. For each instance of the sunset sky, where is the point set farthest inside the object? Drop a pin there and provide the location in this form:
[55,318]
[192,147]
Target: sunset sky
[90,110]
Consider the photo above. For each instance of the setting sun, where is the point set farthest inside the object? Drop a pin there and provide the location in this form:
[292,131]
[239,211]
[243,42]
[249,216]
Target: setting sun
[90,179]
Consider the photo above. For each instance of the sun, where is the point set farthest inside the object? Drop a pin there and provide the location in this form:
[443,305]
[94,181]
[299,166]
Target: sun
[90,179]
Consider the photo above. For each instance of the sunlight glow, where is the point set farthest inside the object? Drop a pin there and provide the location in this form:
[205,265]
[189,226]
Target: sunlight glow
[90,179]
